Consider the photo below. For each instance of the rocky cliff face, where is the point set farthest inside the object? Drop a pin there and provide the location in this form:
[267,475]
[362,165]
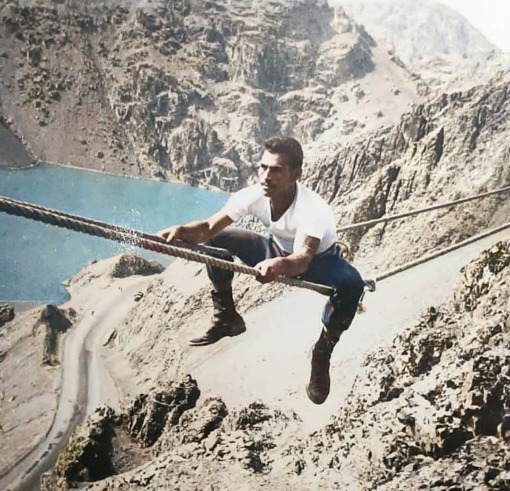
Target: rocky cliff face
[432,409]
[431,39]
[14,153]
[440,412]
[453,147]
[189,90]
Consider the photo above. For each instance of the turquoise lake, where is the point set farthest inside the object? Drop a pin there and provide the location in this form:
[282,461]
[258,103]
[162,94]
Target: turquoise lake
[35,258]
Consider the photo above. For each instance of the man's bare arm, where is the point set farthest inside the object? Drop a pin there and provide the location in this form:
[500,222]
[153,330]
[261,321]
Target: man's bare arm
[198,231]
[292,265]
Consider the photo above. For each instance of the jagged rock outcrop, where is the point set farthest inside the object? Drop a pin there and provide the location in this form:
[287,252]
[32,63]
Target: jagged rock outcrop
[129,264]
[478,278]
[150,414]
[108,443]
[436,402]
[191,89]
[6,313]
[181,434]
[56,323]
[88,455]
[417,163]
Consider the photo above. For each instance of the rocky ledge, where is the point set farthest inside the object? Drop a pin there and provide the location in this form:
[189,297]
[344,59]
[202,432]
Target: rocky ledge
[6,313]
[431,410]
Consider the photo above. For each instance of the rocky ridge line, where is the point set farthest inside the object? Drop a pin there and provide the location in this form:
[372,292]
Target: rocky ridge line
[454,147]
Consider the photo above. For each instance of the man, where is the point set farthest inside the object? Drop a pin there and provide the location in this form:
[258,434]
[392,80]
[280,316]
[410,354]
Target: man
[302,243]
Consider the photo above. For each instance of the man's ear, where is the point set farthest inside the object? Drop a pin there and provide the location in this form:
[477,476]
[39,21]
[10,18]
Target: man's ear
[297,173]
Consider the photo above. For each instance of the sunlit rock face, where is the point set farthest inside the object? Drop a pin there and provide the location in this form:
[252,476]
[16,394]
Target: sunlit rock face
[190,90]
[431,39]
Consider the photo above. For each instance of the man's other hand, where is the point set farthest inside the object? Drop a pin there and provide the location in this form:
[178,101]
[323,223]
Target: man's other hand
[171,234]
[269,270]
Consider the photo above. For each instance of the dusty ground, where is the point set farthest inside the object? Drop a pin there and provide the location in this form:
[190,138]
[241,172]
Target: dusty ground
[29,389]
[269,363]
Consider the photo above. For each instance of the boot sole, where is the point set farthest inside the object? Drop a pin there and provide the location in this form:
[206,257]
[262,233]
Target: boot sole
[206,342]
[316,401]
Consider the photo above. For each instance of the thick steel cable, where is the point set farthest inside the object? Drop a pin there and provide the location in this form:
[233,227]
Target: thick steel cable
[41,214]
[434,255]
[155,243]
[134,233]
[420,210]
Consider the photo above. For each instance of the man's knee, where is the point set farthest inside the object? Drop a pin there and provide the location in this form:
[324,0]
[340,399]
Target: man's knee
[221,239]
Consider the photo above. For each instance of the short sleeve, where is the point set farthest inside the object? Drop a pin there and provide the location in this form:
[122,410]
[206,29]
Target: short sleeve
[241,202]
[309,228]
[314,227]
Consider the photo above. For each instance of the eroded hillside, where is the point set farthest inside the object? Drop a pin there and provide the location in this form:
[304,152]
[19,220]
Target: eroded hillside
[454,147]
[431,408]
[189,90]
[432,40]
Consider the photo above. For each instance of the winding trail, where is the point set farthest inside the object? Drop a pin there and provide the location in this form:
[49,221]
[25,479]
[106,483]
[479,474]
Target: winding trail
[85,383]
[270,362]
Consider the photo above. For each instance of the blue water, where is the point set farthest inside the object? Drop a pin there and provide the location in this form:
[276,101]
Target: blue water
[35,258]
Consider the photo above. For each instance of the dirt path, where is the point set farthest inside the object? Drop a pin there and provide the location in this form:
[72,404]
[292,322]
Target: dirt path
[85,382]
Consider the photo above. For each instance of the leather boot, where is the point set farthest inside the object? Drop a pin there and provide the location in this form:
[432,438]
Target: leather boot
[318,387]
[226,321]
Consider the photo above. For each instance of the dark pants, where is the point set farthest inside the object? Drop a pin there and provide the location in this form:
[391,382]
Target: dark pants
[327,268]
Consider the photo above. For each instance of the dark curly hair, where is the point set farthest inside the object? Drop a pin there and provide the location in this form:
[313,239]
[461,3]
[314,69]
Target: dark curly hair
[289,147]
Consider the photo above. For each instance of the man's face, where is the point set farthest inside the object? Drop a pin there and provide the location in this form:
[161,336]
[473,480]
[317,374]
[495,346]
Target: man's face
[276,177]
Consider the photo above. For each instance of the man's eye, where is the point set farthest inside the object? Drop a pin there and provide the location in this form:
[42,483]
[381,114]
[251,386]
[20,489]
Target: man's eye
[272,170]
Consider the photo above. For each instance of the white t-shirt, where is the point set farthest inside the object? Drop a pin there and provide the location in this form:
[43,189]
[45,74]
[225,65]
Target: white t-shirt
[308,215]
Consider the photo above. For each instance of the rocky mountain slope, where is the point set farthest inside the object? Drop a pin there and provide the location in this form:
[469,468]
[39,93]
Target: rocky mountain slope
[431,410]
[453,147]
[189,90]
[431,39]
